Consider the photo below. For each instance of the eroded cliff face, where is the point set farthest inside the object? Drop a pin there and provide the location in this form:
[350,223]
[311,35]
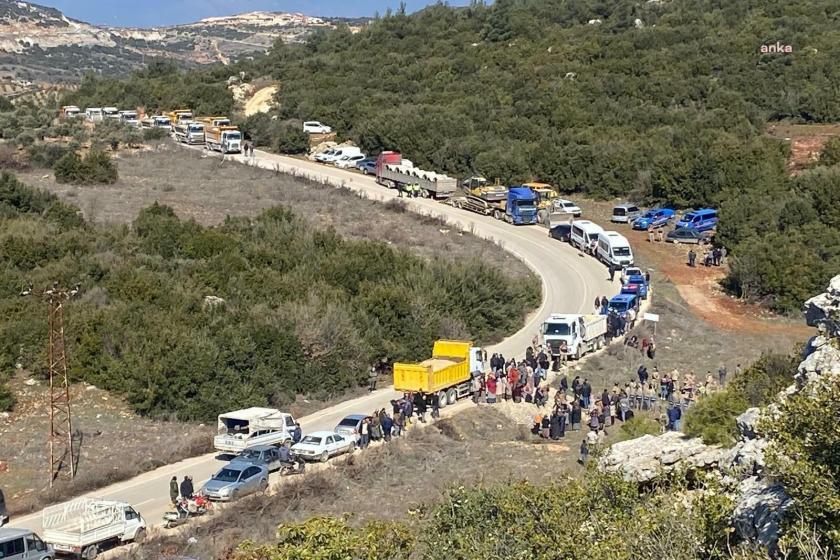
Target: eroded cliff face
[761,503]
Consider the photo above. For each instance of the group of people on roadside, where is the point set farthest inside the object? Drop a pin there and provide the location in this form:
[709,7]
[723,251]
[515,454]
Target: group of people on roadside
[185,490]
[383,425]
[711,257]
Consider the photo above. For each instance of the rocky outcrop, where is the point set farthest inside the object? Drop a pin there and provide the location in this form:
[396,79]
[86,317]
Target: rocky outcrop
[760,508]
[760,503]
[648,457]
[747,423]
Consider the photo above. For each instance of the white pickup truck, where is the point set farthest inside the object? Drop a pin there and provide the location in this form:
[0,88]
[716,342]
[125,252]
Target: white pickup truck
[579,334]
[250,427]
[85,526]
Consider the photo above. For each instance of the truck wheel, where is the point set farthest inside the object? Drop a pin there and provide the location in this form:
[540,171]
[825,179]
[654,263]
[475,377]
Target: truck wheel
[91,552]
[497,214]
[578,353]
[140,535]
[442,399]
[451,396]
[542,216]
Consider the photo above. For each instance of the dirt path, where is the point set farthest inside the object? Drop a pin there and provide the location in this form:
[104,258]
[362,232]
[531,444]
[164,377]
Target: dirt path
[261,101]
[699,286]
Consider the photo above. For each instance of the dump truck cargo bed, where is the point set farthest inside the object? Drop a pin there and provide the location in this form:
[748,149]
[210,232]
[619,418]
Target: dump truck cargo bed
[449,366]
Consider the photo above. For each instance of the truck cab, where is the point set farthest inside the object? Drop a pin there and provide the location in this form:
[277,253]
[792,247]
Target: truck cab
[129,118]
[520,207]
[573,334]
[110,113]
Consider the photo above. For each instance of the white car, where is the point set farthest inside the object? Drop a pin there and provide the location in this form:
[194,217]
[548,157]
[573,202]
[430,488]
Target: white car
[629,271]
[567,207]
[320,446]
[348,161]
[326,156]
[315,127]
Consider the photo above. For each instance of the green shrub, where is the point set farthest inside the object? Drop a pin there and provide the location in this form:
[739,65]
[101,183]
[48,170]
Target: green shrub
[291,139]
[95,168]
[151,134]
[639,426]
[761,382]
[830,153]
[804,454]
[46,155]
[7,398]
[712,418]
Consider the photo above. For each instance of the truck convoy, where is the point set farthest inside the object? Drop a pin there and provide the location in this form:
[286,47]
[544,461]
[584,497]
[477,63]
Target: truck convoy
[391,173]
[448,372]
[225,139]
[85,525]
[573,335]
[250,427]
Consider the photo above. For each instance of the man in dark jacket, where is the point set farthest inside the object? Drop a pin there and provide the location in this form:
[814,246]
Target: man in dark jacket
[586,393]
[387,426]
[674,417]
[420,405]
[173,490]
[187,488]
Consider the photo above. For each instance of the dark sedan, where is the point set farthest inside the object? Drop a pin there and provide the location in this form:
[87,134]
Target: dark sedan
[689,235]
[561,232]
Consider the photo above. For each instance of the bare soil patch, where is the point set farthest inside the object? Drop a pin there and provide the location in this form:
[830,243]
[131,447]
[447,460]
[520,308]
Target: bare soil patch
[208,190]
[700,286]
[806,141]
[108,439]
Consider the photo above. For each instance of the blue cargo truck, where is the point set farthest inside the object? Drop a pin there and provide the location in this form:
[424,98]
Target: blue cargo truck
[519,208]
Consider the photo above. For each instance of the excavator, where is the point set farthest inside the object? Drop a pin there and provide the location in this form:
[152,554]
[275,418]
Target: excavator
[548,202]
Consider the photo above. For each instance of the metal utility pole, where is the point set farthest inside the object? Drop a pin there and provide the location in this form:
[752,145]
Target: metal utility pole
[62,454]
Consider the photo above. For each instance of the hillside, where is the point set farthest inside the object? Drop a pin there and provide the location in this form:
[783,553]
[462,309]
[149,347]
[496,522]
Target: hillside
[42,44]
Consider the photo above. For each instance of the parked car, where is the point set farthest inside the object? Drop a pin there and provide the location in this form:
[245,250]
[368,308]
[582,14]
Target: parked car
[20,544]
[348,161]
[4,515]
[688,235]
[701,220]
[351,426]
[568,207]
[655,218]
[367,166]
[561,232]
[629,271]
[641,284]
[625,213]
[267,456]
[320,446]
[315,127]
[236,480]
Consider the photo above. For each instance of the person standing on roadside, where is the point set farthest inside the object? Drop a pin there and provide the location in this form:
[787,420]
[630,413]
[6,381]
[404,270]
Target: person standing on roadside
[364,433]
[722,374]
[372,378]
[187,488]
[173,490]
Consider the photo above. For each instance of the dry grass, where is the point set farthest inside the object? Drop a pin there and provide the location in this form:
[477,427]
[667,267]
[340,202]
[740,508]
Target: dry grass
[106,437]
[478,445]
[209,189]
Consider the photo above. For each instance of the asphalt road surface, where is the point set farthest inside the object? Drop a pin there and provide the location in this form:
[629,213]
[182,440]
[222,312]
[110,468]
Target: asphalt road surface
[570,280]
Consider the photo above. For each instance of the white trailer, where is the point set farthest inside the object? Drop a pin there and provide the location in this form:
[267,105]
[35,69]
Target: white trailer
[574,335]
[247,428]
[85,526]
[433,185]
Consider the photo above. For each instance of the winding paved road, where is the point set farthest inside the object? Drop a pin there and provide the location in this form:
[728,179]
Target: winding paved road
[570,281]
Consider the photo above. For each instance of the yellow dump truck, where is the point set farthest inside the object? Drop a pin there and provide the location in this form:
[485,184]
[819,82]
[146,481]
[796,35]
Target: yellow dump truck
[179,116]
[448,372]
[210,122]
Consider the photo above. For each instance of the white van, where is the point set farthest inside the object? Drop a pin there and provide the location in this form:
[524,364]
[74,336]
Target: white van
[20,544]
[625,213]
[614,249]
[93,114]
[584,235]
